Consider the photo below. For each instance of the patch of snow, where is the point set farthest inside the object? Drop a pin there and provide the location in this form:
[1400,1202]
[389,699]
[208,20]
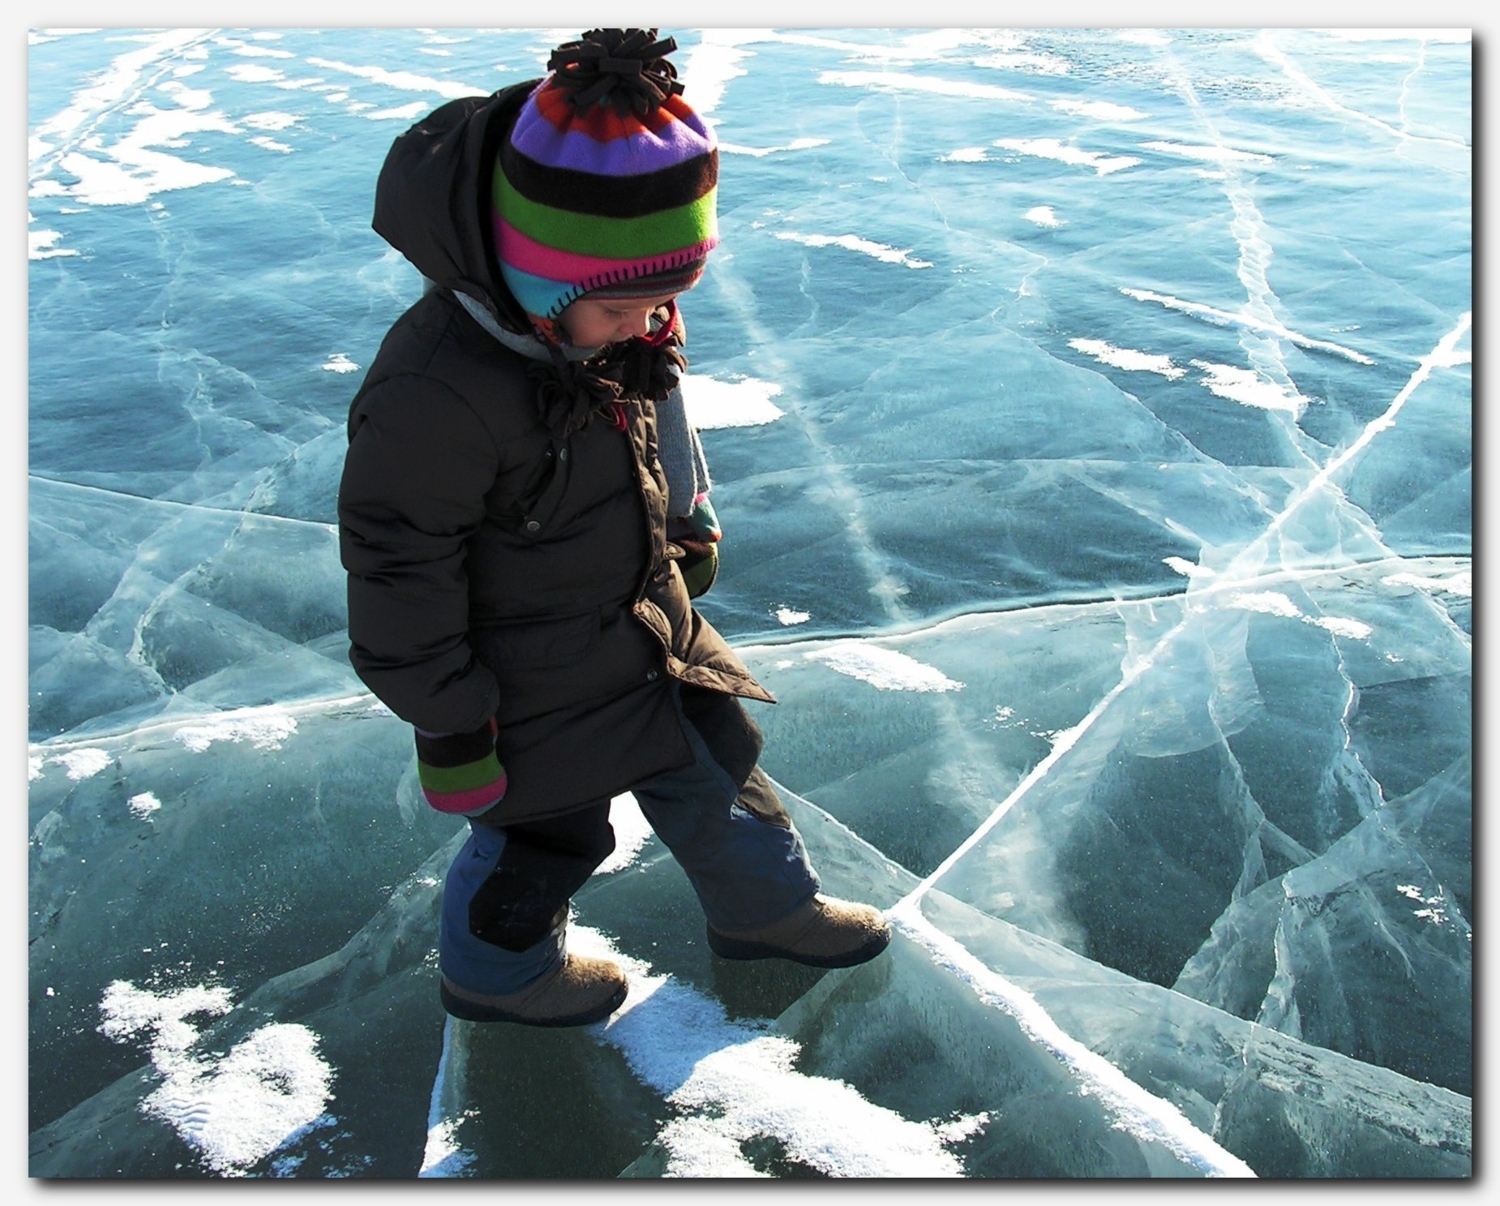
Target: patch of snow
[401,112]
[1210,154]
[235,1109]
[83,764]
[266,728]
[42,245]
[1099,110]
[1041,64]
[883,669]
[632,831]
[797,144]
[1188,569]
[1050,148]
[1344,627]
[254,73]
[900,81]
[962,1127]
[262,52]
[732,1082]
[128,1010]
[143,805]
[270,120]
[714,62]
[736,402]
[1268,602]
[851,242]
[1127,358]
[1461,583]
[444,1156]
[1248,388]
[405,81]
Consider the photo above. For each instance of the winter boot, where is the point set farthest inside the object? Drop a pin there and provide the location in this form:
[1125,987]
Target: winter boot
[578,991]
[822,933]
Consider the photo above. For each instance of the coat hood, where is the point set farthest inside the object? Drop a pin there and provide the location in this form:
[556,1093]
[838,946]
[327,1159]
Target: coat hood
[432,197]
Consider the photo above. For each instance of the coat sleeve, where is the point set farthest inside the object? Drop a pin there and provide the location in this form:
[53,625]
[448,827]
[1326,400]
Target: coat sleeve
[415,477]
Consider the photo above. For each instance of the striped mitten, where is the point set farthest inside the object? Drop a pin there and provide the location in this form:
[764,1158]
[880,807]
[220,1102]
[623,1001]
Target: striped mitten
[699,536]
[460,772]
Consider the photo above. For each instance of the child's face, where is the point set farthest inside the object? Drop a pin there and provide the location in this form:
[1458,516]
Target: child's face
[591,322]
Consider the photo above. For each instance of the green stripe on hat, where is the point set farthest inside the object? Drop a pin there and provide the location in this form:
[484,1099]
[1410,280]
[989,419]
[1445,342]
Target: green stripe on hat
[616,238]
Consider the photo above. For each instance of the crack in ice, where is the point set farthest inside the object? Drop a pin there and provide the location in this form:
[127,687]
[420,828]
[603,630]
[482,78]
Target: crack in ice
[1138,1112]
[906,911]
[1266,47]
[1441,355]
[1225,318]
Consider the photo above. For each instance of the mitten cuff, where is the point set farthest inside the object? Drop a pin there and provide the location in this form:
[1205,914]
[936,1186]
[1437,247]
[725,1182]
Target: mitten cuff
[460,772]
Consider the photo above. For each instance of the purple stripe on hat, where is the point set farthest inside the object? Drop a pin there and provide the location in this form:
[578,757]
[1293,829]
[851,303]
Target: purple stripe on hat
[633,155]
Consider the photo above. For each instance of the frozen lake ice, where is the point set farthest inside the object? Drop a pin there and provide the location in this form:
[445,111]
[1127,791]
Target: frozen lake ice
[1090,420]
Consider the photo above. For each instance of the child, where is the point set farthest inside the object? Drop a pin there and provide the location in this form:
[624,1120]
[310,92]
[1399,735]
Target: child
[522,511]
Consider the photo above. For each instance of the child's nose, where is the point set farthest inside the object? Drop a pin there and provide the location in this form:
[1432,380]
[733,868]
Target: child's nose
[637,325]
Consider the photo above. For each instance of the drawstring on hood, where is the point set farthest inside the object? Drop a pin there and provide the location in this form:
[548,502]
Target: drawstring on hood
[572,392]
[678,447]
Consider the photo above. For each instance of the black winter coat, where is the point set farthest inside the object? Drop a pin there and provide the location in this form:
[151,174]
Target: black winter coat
[498,567]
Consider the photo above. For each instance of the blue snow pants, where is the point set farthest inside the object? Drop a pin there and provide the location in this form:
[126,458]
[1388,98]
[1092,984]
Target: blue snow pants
[505,900]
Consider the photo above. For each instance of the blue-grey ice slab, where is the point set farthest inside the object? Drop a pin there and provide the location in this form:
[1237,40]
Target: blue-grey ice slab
[1095,463]
[965,1053]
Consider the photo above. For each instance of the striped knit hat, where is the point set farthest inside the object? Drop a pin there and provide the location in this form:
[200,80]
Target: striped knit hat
[607,182]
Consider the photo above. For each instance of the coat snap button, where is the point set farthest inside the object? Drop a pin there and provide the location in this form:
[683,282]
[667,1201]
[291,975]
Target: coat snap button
[562,454]
[533,526]
[652,676]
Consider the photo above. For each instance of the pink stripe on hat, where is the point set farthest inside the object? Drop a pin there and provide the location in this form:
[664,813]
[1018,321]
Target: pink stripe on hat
[525,253]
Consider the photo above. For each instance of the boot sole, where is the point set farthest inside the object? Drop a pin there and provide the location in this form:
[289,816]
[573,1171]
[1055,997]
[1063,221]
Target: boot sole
[473,1011]
[738,948]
